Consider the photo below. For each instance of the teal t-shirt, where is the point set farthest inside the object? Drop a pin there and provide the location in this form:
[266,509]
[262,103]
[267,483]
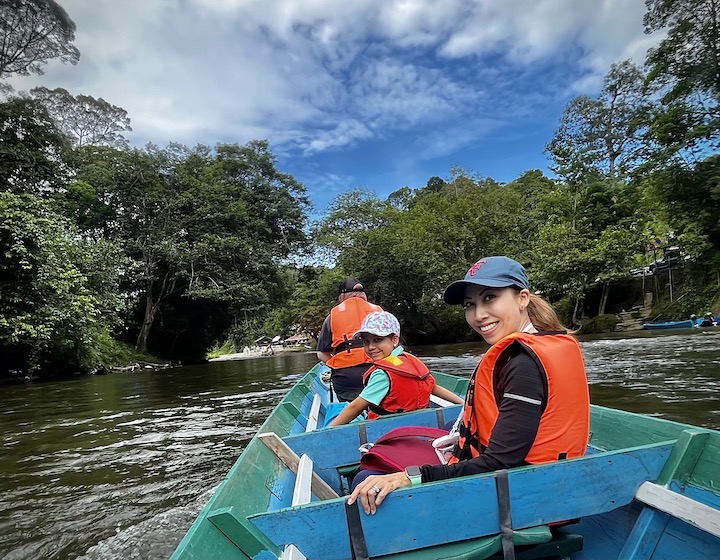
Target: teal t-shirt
[378,385]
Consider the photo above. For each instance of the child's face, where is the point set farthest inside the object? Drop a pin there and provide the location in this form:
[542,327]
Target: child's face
[379,347]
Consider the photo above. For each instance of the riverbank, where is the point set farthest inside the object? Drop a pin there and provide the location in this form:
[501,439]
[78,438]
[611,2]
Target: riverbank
[250,353]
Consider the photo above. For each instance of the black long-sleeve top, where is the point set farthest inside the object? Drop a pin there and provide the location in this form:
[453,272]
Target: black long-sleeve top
[521,391]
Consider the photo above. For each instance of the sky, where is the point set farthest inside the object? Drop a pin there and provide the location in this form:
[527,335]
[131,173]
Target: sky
[378,94]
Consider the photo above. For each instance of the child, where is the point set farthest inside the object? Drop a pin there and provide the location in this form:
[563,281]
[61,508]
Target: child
[397,381]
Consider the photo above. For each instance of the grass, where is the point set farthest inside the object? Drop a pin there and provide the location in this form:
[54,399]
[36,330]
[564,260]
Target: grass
[226,347]
[113,353]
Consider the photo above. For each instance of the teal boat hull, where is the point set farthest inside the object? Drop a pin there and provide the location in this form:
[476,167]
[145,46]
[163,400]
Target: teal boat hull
[251,515]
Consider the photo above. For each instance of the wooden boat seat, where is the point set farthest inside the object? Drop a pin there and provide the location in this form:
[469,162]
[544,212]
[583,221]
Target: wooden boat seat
[318,486]
[661,501]
[307,482]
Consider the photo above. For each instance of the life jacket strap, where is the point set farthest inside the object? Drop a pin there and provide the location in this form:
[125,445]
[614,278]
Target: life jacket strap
[347,345]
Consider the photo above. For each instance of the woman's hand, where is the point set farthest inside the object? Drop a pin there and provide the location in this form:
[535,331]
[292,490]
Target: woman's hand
[373,489]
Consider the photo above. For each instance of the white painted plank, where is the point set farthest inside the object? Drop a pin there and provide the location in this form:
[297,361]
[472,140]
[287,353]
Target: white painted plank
[440,401]
[292,553]
[302,493]
[696,513]
[319,487]
[314,414]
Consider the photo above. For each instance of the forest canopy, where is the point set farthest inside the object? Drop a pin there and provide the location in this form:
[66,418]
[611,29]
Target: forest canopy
[177,249]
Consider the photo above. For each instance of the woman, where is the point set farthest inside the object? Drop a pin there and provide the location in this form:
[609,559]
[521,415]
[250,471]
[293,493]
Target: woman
[528,400]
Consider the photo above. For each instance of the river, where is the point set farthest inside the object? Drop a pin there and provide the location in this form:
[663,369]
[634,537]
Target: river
[118,466]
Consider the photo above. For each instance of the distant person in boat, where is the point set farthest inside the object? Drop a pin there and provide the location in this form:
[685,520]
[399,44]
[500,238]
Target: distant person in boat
[336,347]
[528,398]
[708,320]
[397,380]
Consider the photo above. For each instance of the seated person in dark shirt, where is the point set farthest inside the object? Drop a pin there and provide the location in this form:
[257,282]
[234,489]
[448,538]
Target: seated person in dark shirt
[336,347]
[528,399]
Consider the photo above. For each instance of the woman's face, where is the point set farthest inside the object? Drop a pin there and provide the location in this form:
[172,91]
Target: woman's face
[379,347]
[495,312]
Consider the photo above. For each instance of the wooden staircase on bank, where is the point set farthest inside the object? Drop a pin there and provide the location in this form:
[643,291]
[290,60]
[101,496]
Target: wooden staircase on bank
[633,320]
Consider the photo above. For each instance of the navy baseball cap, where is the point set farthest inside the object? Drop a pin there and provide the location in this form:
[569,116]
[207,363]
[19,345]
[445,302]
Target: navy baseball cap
[493,272]
[350,285]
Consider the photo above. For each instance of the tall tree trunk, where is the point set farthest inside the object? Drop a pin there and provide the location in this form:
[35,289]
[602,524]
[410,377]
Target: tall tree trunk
[148,319]
[152,306]
[576,319]
[604,298]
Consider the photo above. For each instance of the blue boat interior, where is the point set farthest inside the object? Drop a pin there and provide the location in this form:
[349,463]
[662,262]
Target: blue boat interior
[596,492]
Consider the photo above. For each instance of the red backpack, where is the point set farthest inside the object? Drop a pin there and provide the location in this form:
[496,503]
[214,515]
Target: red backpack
[403,447]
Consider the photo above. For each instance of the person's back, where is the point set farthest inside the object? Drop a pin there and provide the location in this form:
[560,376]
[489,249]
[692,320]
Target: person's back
[336,347]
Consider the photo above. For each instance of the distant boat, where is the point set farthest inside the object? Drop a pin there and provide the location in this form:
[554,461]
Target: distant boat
[688,324]
[647,489]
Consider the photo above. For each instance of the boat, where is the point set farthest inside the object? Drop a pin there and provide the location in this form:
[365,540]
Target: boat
[648,488]
[669,325]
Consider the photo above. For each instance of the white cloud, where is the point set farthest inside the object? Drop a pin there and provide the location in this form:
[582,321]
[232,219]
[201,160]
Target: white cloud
[318,75]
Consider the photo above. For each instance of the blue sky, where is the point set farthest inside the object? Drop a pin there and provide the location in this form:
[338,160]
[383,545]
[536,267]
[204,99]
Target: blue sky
[378,94]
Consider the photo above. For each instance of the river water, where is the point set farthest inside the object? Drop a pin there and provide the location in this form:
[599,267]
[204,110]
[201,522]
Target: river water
[118,466]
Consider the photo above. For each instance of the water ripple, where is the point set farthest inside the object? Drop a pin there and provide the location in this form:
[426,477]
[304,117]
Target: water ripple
[118,466]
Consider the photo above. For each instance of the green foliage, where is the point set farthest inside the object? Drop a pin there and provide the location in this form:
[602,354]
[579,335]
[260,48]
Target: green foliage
[80,202]
[50,313]
[221,349]
[692,298]
[684,69]
[199,224]
[694,196]
[115,239]
[565,309]
[106,352]
[563,262]
[32,150]
[600,324]
[604,134]
[351,213]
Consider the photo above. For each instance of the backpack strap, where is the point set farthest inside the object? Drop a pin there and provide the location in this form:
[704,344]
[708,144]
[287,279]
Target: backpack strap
[417,431]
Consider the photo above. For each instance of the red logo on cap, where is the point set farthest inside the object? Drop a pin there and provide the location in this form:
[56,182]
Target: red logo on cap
[477,266]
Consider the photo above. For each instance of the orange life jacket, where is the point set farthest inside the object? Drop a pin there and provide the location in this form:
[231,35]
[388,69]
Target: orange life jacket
[565,423]
[411,384]
[345,320]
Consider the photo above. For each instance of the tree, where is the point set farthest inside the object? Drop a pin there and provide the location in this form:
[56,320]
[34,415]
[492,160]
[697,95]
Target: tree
[685,69]
[563,263]
[616,249]
[84,119]
[51,310]
[603,134]
[694,196]
[34,32]
[202,226]
[349,214]
[32,150]
[405,256]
